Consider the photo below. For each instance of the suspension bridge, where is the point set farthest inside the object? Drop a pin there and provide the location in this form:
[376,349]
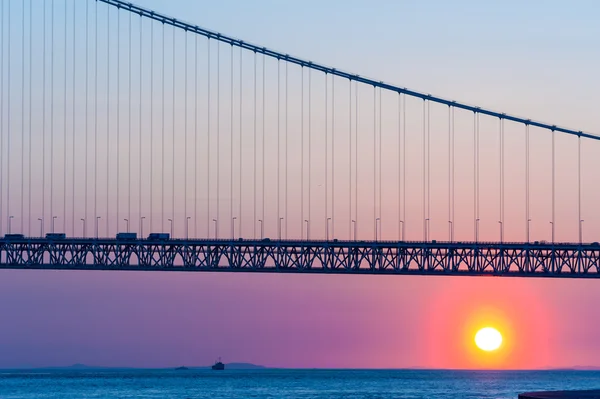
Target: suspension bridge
[131,140]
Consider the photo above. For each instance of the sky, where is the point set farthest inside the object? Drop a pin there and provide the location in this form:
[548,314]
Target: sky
[535,59]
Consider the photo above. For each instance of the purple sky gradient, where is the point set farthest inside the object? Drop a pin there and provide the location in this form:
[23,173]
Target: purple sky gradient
[164,319]
[538,59]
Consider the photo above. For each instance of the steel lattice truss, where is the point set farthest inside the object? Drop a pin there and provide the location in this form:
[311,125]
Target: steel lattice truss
[343,257]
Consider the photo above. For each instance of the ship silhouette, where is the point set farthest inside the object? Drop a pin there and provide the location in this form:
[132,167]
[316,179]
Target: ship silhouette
[218,365]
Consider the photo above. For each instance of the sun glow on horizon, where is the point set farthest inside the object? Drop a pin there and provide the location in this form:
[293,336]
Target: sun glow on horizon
[488,339]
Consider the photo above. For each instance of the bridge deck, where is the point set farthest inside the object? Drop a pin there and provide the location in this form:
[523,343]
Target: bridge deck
[538,259]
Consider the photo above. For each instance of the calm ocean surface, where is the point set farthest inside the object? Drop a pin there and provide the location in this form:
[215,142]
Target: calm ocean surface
[267,383]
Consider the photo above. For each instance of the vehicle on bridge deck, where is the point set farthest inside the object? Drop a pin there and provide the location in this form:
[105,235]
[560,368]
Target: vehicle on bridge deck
[14,236]
[56,236]
[159,236]
[126,236]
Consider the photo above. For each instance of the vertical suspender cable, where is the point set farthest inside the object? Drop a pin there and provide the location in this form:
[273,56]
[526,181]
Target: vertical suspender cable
[453,172]
[64,132]
[23,108]
[96,112]
[185,128]
[375,180]
[162,156]
[400,119]
[51,110]
[404,168]
[502,159]
[8,103]
[500,174]
[527,179]
[8,115]
[428,168]
[129,126]
[218,129]
[208,149]
[196,136]
[278,140]
[151,123]
[140,130]
[309,149]
[264,61]
[2,58]
[85,152]
[108,121]
[475,176]
[301,152]
[286,142]
[478,174]
[218,133]
[579,186]
[240,148]
[173,142]
[326,165]
[118,155]
[553,184]
[449,173]
[231,150]
[254,160]
[380,161]
[73,128]
[31,101]
[424,170]
[349,159]
[356,157]
[333,155]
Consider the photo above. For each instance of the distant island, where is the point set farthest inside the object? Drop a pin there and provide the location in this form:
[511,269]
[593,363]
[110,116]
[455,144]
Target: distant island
[85,367]
[577,368]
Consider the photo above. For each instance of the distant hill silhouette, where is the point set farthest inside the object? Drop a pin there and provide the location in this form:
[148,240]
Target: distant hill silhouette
[242,366]
[85,367]
[577,368]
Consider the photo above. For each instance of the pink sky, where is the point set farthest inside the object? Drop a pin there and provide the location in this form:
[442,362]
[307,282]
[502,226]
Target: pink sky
[166,319]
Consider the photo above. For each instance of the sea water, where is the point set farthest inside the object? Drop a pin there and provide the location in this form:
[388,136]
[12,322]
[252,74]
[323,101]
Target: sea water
[284,383]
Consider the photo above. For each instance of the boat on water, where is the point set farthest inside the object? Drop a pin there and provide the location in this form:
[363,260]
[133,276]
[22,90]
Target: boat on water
[218,365]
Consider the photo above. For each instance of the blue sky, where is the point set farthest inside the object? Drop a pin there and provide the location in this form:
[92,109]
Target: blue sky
[535,58]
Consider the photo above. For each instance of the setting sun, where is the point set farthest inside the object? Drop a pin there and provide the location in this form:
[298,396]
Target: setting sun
[488,339]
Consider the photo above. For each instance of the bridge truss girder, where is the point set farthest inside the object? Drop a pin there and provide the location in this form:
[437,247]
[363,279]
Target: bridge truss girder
[344,257]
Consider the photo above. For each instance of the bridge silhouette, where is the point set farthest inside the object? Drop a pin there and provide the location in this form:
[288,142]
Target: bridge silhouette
[131,140]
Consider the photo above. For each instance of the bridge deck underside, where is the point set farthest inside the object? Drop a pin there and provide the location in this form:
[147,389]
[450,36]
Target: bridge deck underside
[418,258]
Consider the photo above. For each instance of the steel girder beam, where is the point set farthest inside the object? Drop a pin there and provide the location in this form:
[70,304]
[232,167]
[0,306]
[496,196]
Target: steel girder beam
[350,257]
